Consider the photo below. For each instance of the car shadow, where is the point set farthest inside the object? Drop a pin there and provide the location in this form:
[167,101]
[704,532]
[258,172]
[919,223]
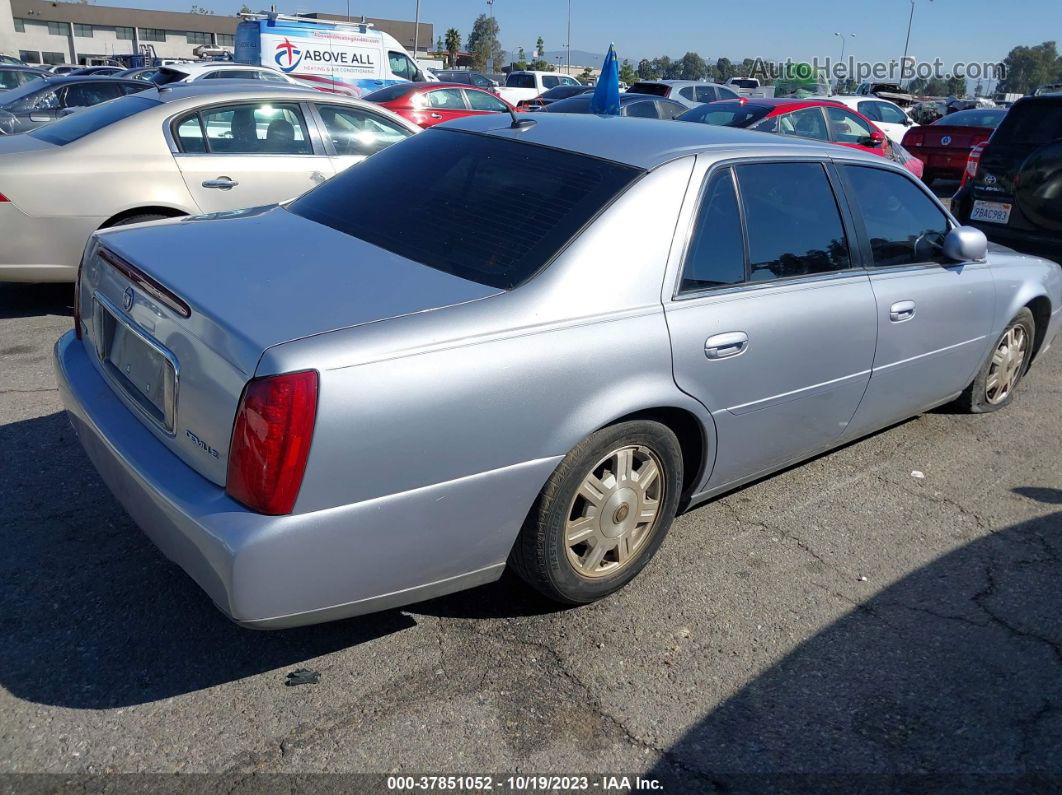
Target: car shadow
[30,300]
[954,670]
[93,616]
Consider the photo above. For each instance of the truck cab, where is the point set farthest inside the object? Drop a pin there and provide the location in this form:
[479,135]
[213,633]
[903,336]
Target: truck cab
[528,85]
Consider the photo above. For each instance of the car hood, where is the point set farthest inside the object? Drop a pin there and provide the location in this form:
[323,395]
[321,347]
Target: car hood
[261,277]
[19,144]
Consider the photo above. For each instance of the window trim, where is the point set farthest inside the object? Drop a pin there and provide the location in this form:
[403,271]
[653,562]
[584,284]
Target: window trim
[866,252]
[171,124]
[855,251]
[320,132]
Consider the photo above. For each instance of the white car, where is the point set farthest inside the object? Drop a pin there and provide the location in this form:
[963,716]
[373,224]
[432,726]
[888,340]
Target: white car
[890,117]
[225,70]
[180,150]
[528,85]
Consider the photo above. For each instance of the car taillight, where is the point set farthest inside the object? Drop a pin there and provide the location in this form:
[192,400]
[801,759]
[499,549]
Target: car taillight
[973,163]
[4,198]
[271,441]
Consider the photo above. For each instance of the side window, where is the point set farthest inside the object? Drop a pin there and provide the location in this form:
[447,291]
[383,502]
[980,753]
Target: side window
[481,100]
[643,110]
[716,256]
[846,127]
[687,93]
[666,109]
[401,66]
[550,81]
[356,132]
[190,136]
[83,95]
[233,74]
[263,128]
[446,98]
[870,110]
[890,114]
[274,77]
[705,94]
[794,226]
[128,89]
[806,123]
[726,93]
[520,81]
[904,226]
[481,81]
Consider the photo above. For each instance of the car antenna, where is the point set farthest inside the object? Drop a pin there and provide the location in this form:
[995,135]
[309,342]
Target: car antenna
[520,124]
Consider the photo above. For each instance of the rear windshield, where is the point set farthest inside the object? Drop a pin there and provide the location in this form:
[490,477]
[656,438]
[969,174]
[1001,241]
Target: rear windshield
[389,93]
[656,89]
[485,209]
[739,83]
[166,76]
[973,118]
[726,114]
[1035,123]
[85,122]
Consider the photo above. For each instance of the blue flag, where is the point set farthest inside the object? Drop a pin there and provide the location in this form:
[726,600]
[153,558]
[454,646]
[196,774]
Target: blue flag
[606,94]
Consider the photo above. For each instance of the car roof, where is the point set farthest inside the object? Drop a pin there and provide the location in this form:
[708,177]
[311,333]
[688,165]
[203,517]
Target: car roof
[677,83]
[204,66]
[239,89]
[645,143]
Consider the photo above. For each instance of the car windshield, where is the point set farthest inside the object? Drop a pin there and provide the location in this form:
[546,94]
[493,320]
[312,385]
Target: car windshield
[9,99]
[462,181]
[13,78]
[656,89]
[726,114]
[1035,123]
[166,76]
[973,118]
[89,120]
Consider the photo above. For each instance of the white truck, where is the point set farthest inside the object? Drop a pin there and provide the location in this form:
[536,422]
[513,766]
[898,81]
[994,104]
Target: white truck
[528,85]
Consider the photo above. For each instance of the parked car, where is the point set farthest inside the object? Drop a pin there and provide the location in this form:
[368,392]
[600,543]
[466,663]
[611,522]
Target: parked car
[689,93]
[528,85]
[221,70]
[199,148]
[428,104]
[644,106]
[11,60]
[64,68]
[893,92]
[1013,188]
[887,116]
[945,145]
[112,71]
[551,96]
[544,395]
[467,78]
[141,73]
[819,120]
[32,104]
[12,76]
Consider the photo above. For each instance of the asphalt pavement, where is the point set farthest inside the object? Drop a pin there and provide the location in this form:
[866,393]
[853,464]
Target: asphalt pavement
[890,608]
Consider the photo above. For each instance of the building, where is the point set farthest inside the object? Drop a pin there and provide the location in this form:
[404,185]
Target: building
[47,32]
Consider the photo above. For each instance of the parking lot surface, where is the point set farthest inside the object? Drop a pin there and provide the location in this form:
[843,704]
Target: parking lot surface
[891,607]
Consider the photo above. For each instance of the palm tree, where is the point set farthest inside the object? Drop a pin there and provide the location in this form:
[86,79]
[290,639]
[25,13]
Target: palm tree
[453,44]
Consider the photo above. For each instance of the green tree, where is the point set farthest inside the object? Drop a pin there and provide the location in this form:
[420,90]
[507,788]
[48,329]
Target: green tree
[487,54]
[692,67]
[917,86]
[453,45]
[198,9]
[627,74]
[956,87]
[245,9]
[664,67]
[724,70]
[521,60]
[584,78]
[540,48]
[646,70]
[1028,68]
[937,87]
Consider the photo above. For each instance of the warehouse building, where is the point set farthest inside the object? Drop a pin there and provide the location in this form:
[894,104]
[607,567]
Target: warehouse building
[46,32]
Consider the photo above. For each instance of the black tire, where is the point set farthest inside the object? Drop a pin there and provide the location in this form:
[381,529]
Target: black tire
[137,219]
[541,556]
[975,399]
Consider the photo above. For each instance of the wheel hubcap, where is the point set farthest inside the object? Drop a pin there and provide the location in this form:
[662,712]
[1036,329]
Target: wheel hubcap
[1007,364]
[614,512]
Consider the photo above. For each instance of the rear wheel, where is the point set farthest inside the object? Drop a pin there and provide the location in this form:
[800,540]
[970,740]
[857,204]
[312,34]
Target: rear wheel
[996,383]
[602,514]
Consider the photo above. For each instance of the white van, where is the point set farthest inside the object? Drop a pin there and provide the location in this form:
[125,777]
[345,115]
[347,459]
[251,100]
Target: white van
[349,56]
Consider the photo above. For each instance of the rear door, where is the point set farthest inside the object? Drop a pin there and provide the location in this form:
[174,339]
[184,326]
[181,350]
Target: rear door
[248,154]
[772,322]
[444,104]
[933,314]
[480,102]
[351,133]
[891,119]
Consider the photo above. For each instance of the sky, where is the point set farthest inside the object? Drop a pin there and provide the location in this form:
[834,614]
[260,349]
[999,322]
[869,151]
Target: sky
[953,30]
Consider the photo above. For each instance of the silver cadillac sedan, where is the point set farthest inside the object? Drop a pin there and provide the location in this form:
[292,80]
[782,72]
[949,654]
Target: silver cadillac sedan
[573,328]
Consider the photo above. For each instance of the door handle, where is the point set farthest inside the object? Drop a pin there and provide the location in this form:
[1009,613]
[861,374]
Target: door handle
[222,183]
[901,311]
[723,346]
[436,115]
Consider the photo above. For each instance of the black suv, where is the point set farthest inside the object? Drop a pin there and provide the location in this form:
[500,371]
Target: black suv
[1016,195]
[468,78]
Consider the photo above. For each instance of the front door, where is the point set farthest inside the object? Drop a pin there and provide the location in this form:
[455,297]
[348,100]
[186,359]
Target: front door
[771,329]
[248,154]
[933,315]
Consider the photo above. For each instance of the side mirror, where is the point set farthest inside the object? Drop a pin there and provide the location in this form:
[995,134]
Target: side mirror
[877,138]
[965,243]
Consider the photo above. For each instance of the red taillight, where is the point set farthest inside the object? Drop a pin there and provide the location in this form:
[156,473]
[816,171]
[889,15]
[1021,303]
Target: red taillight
[271,441]
[4,198]
[77,300]
[973,164]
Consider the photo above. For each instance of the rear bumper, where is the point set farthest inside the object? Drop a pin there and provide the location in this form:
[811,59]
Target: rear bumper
[44,249]
[1027,241]
[272,572]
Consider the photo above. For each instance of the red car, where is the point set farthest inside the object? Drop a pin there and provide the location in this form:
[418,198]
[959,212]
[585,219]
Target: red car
[945,145]
[817,119]
[428,104]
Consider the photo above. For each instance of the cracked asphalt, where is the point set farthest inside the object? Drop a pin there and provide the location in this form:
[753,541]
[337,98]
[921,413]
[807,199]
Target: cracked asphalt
[841,617]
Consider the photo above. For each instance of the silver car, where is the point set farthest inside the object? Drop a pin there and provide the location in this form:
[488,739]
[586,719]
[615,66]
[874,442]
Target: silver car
[690,93]
[160,153]
[368,397]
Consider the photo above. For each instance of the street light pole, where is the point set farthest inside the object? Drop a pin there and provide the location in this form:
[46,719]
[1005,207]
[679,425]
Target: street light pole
[490,42]
[907,44]
[416,32]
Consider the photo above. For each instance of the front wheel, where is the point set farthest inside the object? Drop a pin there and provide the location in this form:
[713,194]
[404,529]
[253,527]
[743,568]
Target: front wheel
[603,513]
[995,384]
